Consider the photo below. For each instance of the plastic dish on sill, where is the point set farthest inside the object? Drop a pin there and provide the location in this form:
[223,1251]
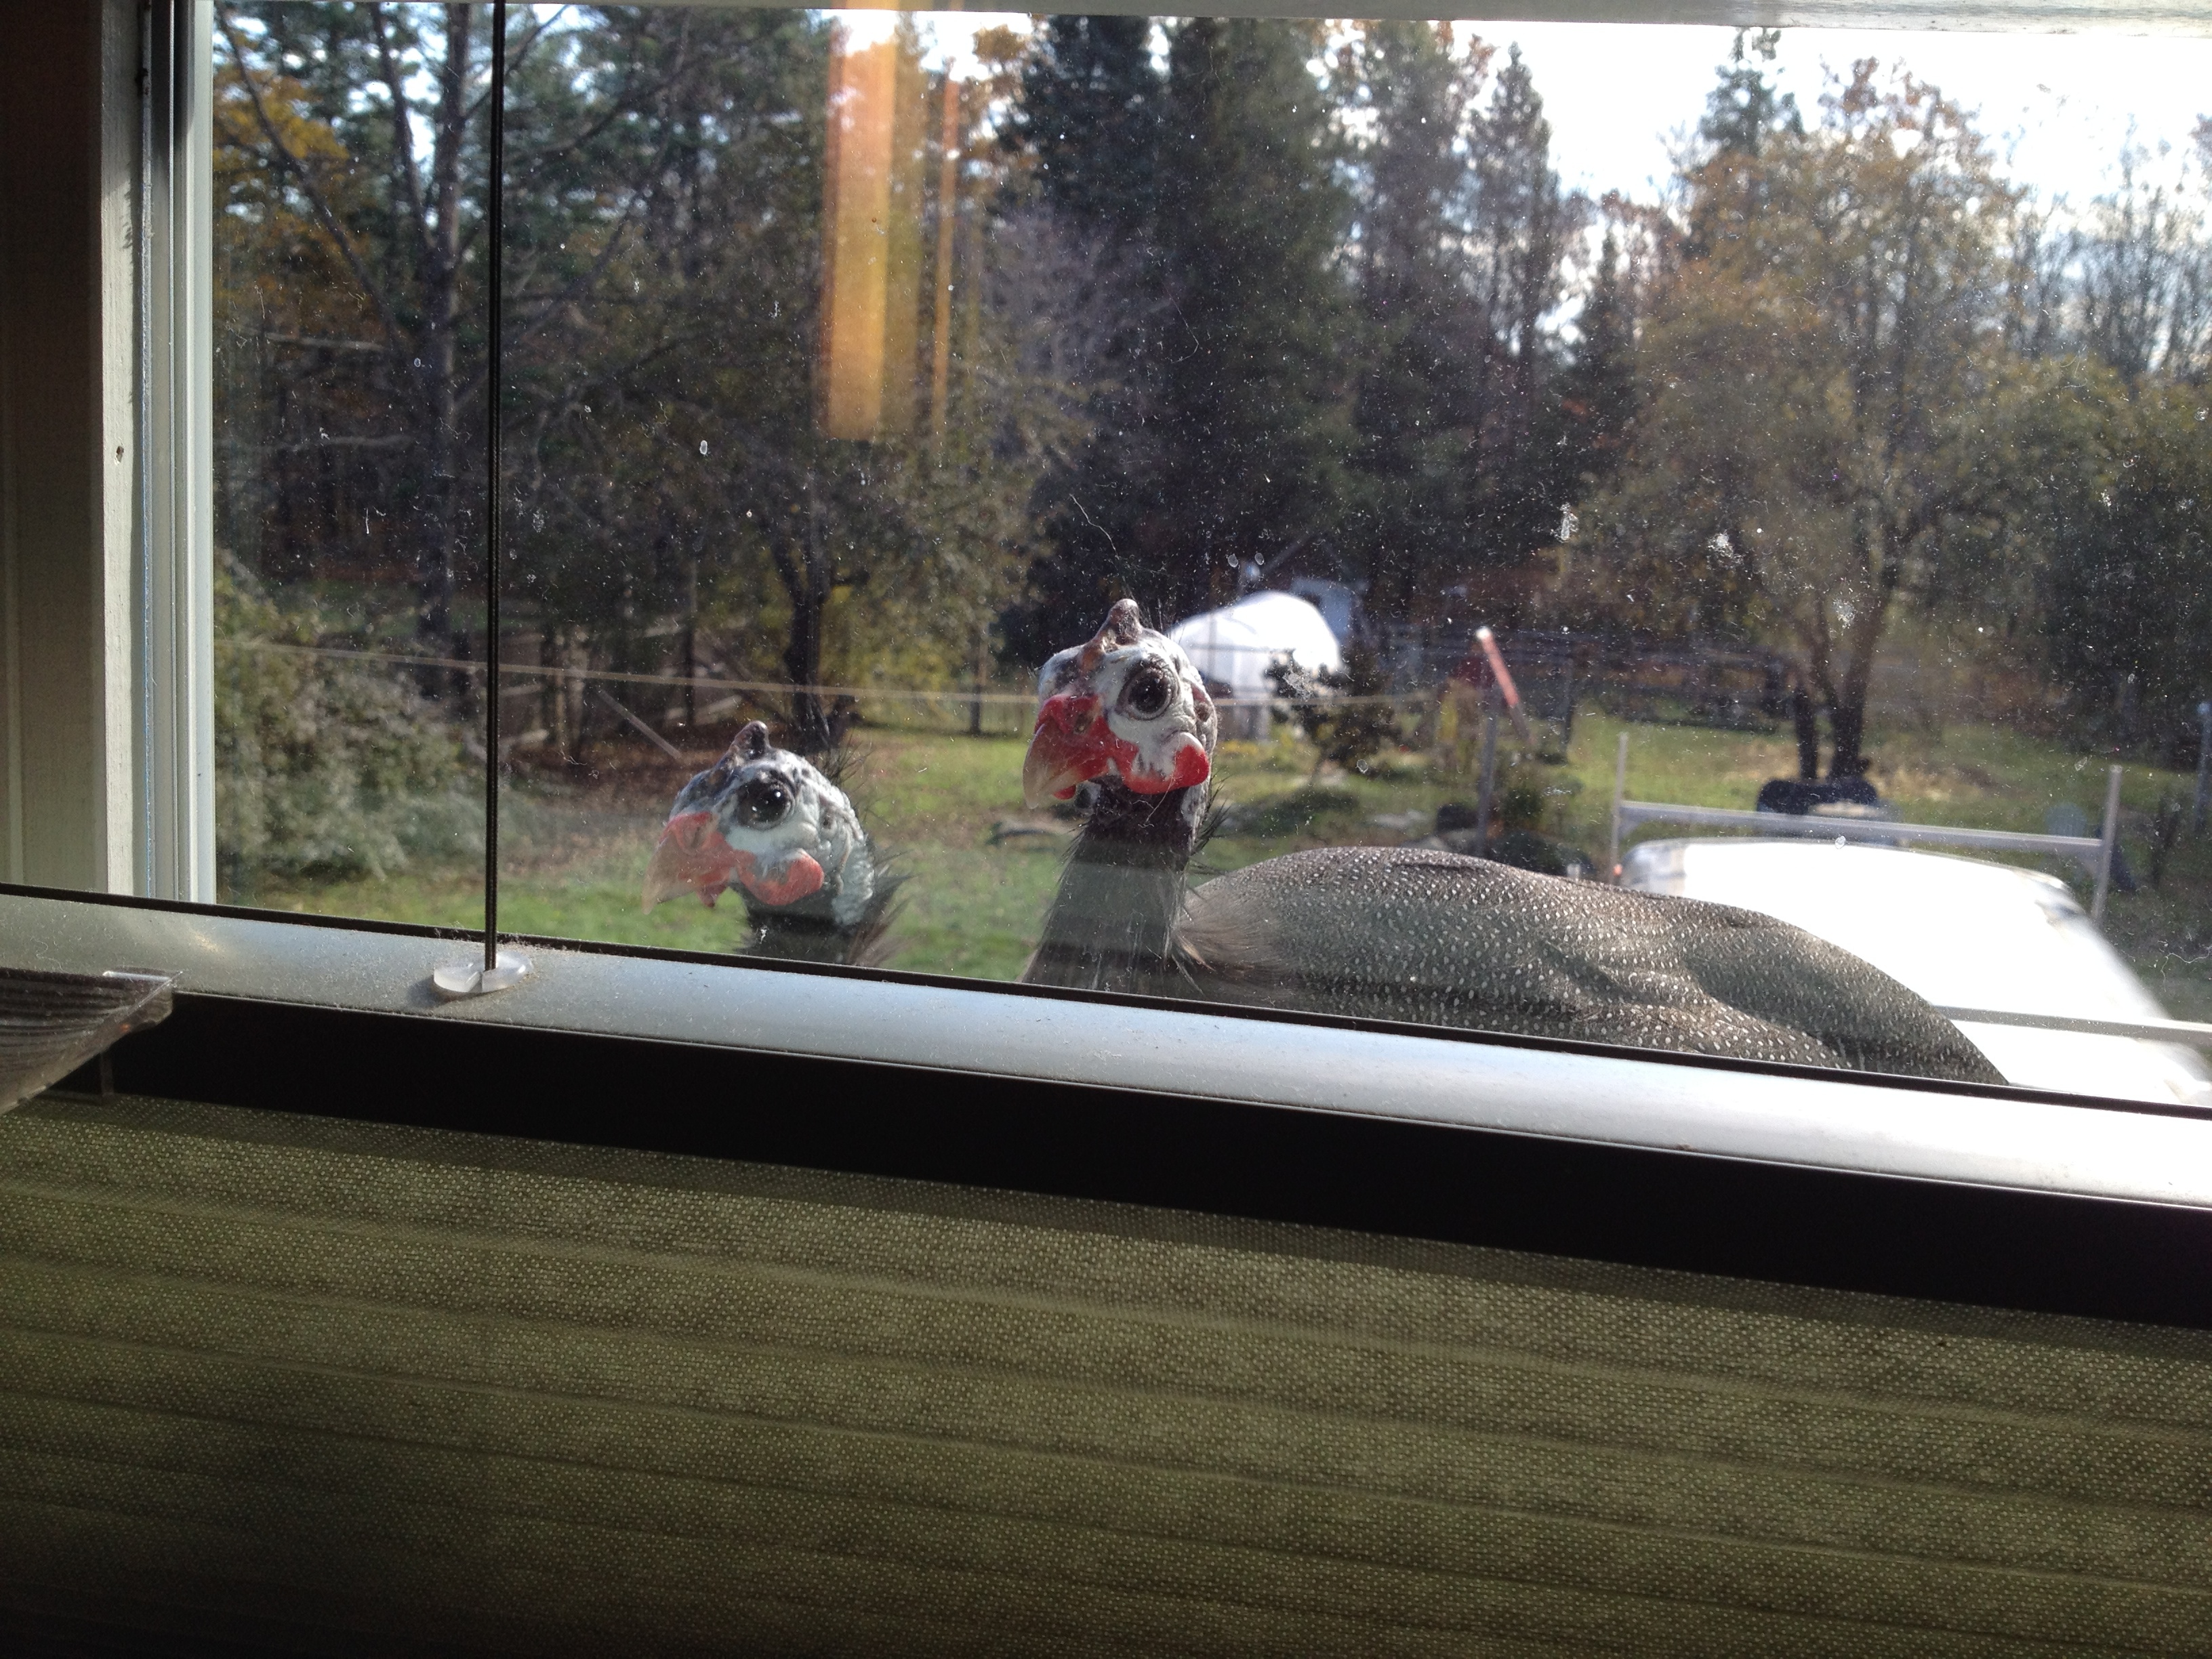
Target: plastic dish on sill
[50,1023]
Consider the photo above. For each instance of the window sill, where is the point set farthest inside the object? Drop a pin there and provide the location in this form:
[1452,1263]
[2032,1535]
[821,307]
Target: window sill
[1995,1196]
[2005,1138]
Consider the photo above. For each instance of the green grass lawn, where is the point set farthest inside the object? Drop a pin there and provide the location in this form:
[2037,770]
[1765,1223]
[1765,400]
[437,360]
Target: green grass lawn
[575,855]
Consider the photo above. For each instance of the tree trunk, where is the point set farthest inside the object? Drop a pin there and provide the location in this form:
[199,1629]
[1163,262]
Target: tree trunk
[1847,711]
[689,709]
[573,651]
[806,576]
[802,666]
[982,669]
[434,366]
[1847,727]
[1808,725]
[434,529]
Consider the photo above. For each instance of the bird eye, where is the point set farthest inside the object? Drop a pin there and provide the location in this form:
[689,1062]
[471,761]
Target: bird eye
[761,803]
[1147,693]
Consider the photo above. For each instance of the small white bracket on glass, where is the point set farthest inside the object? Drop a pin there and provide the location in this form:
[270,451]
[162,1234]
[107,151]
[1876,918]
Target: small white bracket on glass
[472,979]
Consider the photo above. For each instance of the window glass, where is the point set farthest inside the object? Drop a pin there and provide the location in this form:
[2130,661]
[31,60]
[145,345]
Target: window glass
[1328,516]
[349,365]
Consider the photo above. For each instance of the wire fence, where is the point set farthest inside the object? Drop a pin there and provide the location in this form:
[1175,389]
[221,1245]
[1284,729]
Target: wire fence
[992,710]
[1558,676]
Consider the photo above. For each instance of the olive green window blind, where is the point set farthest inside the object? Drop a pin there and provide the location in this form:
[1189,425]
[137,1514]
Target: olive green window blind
[314,1387]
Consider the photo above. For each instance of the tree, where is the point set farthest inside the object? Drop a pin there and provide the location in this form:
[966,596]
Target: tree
[664,447]
[2040,281]
[1520,225]
[1253,426]
[2129,615]
[1745,113]
[1346,714]
[668,457]
[1084,134]
[367,122]
[1596,393]
[858,558]
[1089,121]
[2146,281]
[1423,352]
[1821,372]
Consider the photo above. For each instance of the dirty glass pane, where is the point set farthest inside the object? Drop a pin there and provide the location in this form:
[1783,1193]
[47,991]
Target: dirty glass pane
[1663,537]
[349,150]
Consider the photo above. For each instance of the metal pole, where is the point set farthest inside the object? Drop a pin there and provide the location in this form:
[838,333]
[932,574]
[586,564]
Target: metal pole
[2108,841]
[1619,791]
[1482,794]
[2203,763]
[498,971]
[495,234]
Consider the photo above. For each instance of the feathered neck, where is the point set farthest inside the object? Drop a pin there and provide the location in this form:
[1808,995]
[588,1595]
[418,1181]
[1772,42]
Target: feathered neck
[1111,926]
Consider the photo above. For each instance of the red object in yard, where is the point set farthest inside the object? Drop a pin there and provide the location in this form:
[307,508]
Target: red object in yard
[1503,679]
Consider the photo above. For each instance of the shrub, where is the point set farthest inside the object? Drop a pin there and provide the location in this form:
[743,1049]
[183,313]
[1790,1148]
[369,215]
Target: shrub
[1346,714]
[323,766]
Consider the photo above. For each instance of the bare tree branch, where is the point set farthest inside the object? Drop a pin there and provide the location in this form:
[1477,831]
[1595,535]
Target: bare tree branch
[403,134]
[325,214]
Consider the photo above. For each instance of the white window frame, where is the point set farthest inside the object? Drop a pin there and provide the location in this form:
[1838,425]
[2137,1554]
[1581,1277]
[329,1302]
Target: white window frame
[106,620]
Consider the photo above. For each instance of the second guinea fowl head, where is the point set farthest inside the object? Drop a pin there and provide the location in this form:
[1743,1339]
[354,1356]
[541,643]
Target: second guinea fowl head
[769,823]
[1125,707]
[1125,719]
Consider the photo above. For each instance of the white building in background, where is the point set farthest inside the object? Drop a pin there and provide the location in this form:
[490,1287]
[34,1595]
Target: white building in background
[1234,647]
[1339,604]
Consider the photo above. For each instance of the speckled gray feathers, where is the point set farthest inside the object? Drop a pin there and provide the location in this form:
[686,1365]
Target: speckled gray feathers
[1427,937]
[1407,933]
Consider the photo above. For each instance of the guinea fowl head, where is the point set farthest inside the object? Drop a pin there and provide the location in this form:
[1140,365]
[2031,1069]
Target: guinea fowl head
[1128,706]
[1124,718]
[770,823]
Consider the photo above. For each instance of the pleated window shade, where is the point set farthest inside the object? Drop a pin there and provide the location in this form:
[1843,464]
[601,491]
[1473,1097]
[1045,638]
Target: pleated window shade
[304,1386]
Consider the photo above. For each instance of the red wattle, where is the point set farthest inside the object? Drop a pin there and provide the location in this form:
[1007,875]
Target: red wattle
[1192,768]
[1189,767]
[785,883]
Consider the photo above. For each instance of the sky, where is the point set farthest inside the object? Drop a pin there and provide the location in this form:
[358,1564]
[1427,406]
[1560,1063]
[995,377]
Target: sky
[2060,106]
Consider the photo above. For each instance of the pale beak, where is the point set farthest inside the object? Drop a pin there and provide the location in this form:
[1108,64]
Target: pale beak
[1071,744]
[692,858]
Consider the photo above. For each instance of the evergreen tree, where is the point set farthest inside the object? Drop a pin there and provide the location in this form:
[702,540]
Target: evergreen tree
[1416,410]
[1089,118]
[1746,118]
[1744,110]
[1254,423]
[2128,520]
[1088,125]
[1597,390]
[1518,235]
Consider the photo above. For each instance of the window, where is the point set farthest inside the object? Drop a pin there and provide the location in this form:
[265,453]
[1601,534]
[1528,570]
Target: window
[1472,519]
[744,1293]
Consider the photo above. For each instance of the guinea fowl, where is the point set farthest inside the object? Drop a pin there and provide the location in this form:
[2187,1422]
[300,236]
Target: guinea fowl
[777,828]
[1409,933]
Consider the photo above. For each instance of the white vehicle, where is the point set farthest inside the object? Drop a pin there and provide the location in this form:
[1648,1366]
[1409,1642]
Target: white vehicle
[1969,937]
